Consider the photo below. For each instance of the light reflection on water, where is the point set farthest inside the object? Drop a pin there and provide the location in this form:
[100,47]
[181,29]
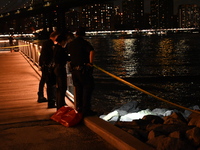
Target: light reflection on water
[169,67]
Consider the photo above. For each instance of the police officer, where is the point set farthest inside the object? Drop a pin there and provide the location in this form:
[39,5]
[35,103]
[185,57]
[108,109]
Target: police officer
[60,59]
[82,56]
[47,65]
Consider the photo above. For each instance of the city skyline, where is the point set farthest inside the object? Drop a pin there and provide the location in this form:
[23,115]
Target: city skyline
[103,17]
[176,4]
[117,2]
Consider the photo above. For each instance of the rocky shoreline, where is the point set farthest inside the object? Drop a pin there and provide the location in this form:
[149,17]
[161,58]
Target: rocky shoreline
[160,128]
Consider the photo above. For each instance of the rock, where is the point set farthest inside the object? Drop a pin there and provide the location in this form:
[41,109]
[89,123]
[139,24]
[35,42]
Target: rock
[153,119]
[169,143]
[194,119]
[176,134]
[143,134]
[154,141]
[175,118]
[152,134]
[139,134]
[152,126]
[187,112]
[167,128]
[163,129]
[194,135]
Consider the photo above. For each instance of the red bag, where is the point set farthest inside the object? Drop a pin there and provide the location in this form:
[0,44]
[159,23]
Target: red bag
[67,116]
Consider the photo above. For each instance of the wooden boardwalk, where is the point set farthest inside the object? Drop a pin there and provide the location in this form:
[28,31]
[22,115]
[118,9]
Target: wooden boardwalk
[18,91]
[26,124]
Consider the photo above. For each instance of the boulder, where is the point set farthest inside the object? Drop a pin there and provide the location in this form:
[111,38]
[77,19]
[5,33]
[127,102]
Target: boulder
[153,119]
[154,141]
[153,126]
[168,143]
[194,135]
[142,135]
[175,118]
[194,119]
[177,134]
[167,128]
[152,134]
[161,128]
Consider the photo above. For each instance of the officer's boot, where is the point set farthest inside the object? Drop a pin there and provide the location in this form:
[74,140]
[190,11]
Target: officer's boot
[41,98]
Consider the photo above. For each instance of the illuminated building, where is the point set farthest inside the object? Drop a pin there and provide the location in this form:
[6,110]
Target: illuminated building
[133,13]
[97,16]
[188,16]
[72,19]
[161,14]
[118,18]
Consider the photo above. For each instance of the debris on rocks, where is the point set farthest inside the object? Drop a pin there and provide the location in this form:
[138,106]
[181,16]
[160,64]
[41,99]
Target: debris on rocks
[161,128]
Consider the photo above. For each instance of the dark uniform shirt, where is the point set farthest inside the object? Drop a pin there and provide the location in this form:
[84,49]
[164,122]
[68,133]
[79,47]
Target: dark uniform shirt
[60,55]
[46,56]
[79,50]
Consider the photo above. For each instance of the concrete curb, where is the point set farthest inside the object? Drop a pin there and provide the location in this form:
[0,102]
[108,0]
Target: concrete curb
[114,135]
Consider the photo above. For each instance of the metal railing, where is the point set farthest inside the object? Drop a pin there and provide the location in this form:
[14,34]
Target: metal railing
[32,52]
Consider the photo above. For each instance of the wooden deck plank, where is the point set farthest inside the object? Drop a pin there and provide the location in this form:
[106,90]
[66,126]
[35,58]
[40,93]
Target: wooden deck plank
[18,91]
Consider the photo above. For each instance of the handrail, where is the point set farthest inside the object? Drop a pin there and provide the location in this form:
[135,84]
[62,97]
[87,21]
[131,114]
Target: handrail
[141,90]
[32,52]
[14,46]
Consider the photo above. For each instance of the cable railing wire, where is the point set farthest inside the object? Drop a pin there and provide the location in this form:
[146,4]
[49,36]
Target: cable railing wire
[141,90]
[129,84]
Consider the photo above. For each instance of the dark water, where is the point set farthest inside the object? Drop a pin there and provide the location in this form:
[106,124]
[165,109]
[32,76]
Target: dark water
[168,67]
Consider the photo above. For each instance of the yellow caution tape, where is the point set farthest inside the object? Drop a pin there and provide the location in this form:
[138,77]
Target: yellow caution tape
[139,89]
[13,46]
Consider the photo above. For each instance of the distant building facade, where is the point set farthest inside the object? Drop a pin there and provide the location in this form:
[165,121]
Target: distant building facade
[118,18]
[133,13]
[161,14]
[97,16]
[72,18]
[189,16]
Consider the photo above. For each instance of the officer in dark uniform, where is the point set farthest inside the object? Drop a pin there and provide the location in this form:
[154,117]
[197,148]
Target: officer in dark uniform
[82,55]
[60,58]
[47,65]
